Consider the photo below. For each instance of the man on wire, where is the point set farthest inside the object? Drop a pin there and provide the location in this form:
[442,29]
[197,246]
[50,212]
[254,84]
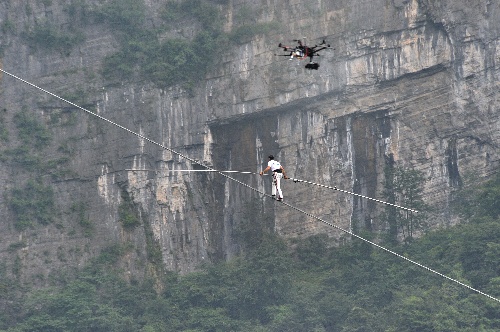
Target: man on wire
[278,173]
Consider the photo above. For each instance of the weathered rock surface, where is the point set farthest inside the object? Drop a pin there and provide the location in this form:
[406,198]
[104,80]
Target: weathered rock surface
[411,81]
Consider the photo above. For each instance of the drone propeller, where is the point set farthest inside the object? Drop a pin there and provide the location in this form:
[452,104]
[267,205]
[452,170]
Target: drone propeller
[300,41]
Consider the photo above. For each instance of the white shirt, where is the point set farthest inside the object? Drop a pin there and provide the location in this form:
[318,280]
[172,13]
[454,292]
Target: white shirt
[274,165]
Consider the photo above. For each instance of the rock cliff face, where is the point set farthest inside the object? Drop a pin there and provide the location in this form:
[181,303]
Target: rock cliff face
[411,83]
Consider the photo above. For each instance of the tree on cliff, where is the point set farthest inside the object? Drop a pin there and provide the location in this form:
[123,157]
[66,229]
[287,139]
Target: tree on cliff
[404,187]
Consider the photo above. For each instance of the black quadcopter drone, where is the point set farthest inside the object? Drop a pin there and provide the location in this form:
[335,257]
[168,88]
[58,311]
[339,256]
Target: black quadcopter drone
[302,51]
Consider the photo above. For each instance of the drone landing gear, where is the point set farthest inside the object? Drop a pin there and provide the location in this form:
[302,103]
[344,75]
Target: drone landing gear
[312,65]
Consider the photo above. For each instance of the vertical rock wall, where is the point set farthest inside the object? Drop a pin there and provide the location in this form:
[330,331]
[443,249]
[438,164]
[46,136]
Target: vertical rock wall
[410,82]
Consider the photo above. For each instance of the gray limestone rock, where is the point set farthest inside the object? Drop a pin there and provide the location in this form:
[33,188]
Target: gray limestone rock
[408,83]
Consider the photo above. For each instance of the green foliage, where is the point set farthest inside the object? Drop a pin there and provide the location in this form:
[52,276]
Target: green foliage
[255,225]
[46,36]
[31,204]
[476,203]
[404,187]
[15,246]
[246,26]
[311,251]
[35,137]
[22,156]
[128,213]
[355,287]
[77,96]
[243,290]
[266,277]
[110,255]
[30,130]
[10,291]
[147,55]
[127,16]
[30,160]
[176,59]
[76,308]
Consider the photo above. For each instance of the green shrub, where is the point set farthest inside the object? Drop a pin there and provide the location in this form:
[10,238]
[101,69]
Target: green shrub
[31,204]
[30,130]
[23,157]
[164,62]
[47,37]
[15,246]
[128,213]
[127,16]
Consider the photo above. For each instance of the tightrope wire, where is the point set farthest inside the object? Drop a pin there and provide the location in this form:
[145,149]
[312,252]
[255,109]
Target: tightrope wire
[258,191]
[354,194]
[308,182]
